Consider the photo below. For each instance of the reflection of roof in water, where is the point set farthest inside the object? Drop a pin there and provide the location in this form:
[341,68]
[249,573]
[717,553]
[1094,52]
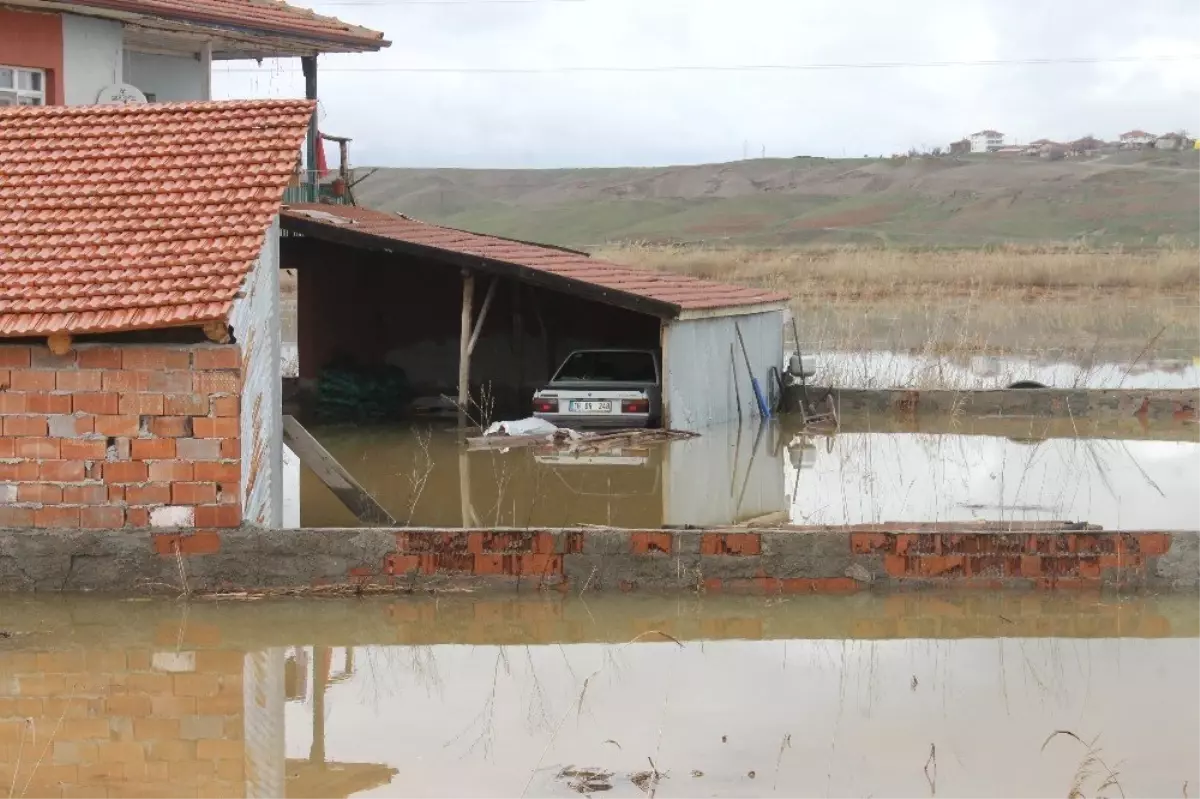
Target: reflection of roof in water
[308,780]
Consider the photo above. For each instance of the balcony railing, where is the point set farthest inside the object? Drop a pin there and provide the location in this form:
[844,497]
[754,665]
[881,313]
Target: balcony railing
[309,188]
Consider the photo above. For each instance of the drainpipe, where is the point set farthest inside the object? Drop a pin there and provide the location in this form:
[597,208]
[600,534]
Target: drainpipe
[308,64]
[206,51]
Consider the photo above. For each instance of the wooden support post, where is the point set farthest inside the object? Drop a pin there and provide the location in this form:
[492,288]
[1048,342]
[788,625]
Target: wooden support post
[308,64]
[464,349]
[332,474]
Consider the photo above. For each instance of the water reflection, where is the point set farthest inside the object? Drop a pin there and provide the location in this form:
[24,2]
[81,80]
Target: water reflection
[472,696]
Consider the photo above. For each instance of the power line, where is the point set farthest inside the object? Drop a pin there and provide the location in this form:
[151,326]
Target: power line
[746,67]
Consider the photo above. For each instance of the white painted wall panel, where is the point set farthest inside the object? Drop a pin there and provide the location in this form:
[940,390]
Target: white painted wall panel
[255,322]
[91,57]
[699,387]
[171,79]
[730,473]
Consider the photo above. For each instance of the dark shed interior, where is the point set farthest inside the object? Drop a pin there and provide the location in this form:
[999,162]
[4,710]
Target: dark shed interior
[365,307]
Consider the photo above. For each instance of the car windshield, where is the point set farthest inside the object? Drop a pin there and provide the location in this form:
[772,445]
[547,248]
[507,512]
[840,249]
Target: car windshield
[614,367]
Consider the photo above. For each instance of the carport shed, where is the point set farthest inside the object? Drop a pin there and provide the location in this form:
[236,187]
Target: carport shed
[462,311]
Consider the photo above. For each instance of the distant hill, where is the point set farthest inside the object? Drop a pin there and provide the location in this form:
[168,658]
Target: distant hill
[1127,198]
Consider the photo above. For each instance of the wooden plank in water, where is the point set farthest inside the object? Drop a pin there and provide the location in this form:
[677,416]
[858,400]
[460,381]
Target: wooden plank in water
[331,473]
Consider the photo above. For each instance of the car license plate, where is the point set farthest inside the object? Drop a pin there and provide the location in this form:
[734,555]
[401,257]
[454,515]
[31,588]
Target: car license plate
[591,406]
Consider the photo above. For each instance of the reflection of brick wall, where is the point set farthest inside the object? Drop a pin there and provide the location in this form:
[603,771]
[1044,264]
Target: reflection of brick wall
[120,435]
[122,723]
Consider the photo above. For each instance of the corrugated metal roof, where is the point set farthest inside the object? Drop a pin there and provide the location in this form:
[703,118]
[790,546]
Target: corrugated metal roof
[670,293]
[139,216]
[263,16]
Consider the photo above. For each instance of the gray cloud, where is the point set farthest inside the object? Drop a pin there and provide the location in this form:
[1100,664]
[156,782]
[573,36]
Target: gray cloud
[611,119]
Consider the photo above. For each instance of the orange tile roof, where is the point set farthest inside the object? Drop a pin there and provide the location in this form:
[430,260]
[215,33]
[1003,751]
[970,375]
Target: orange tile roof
[264,16]
[138,216]
[667,292]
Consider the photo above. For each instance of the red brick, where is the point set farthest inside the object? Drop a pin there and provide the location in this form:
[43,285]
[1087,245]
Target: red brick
[218,516]
[225,406]
[25,426]
[171,426]
[193,493]
[85,425]
[8,447]
[1031,566]
[41,402]
[116,493]
[217,358]
[170,471]
[216,383]
[157,358]
[61,471]
[218,472]
[169,382]
[77,380]
[406,564]
[902,541]
[895,565]
[864,543]
[58,516]
[126,472]
[112,426]
[538,564]
[14,357]
[13,402]
[82,449]
[185,404]
[125,381]
[730,544]
[15,517]
[1154,543]
[643,543]
[219,427]
[102,517]
[230,448]
[141,404]
[32,380]
[16,472]
[138,517]
[198,449]
[148,494]
[204,542]
[38,448]
[103,403]
[489,563]
[98,357]
[153,449]
[93,494]
[39,492]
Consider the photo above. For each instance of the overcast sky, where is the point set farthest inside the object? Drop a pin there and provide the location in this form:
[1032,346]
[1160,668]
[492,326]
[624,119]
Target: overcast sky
[548,119]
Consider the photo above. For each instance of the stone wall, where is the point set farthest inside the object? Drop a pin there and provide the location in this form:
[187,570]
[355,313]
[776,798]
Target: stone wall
[120,435]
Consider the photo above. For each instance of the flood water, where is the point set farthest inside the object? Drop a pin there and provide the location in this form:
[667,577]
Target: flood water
[1127,477]
[886,695]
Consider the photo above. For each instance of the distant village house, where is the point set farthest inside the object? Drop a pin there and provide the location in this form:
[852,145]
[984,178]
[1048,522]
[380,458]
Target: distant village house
[986,141]
[1136,139]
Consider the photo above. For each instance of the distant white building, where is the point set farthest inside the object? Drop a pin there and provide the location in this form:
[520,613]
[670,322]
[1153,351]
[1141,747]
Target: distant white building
[986,141]
[1136,139]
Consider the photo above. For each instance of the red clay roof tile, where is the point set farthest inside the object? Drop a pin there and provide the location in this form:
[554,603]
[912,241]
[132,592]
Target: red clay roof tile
[681,291]
[141,216]
[265,16]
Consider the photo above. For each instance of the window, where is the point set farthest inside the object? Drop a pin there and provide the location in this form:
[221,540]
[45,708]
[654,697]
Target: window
[617,366]
[22,86]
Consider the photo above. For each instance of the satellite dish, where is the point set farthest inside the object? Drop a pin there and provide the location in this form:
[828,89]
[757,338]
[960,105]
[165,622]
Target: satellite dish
[120,94]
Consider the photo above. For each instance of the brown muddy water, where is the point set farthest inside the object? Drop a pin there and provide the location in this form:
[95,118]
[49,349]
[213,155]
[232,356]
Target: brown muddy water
[1121,478]
[899,695]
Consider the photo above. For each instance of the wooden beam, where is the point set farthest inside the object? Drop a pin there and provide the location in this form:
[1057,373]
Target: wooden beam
[483,312]
[464,348]
[59,343]
[331,473]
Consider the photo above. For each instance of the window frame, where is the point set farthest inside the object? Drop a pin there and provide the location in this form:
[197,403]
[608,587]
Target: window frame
[17,94]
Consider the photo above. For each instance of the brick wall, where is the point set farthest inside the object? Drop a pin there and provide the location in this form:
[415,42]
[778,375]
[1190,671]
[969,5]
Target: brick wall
[120,435]
[135,722]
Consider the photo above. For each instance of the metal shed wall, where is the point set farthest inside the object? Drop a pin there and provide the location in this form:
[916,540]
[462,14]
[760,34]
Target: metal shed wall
[699,374]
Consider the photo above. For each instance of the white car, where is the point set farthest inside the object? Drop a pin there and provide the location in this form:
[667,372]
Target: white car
[603,388]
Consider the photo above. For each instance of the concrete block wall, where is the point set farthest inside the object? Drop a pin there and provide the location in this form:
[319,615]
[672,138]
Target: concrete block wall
[123,722]
[120,435]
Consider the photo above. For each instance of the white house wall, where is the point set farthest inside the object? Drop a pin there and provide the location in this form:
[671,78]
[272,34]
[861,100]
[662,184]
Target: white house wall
[702,383]
[255,322]
[91,57]
[171,79]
